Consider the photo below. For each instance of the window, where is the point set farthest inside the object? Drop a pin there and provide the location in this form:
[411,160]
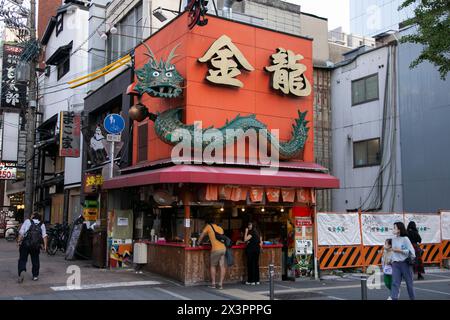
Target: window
[142,142]
[365,90]
[366,153]
[129,34]
[63,67]
[59,24]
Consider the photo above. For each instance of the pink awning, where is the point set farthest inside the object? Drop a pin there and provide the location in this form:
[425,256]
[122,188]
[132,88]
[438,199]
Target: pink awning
[223,175]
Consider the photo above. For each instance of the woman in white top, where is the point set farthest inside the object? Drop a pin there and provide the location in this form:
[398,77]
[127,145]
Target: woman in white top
[401,269]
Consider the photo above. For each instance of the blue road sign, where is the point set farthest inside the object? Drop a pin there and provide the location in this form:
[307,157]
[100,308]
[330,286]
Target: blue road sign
[114,123]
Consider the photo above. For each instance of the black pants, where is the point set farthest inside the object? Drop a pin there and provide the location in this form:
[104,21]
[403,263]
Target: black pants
[253,265]
[23,258]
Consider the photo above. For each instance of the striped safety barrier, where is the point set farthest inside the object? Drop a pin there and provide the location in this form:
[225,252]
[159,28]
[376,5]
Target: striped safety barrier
[339,257]
[431,253]
[445,249]
[372,255]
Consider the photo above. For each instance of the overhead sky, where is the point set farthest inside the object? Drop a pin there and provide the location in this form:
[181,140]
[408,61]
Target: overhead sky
[337,11]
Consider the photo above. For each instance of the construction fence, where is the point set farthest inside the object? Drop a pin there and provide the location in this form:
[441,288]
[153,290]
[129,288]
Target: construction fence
[356,240]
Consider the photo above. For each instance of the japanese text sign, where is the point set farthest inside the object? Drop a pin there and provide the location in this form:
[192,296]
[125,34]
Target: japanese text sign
[69,134]
[13,94]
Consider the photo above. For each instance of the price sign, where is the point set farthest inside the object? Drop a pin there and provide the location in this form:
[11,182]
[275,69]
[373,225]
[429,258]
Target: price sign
[8,171]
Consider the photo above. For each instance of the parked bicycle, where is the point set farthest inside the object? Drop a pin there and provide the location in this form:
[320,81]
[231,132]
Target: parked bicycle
[58,236]
[12,233]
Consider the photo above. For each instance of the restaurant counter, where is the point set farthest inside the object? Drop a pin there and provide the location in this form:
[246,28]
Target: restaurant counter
[190,265]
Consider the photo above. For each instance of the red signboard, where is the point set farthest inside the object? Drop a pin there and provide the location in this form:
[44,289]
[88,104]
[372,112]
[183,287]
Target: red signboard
[303,221]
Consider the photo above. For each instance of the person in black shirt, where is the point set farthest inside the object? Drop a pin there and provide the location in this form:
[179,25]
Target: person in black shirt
[254,243]
[414,237]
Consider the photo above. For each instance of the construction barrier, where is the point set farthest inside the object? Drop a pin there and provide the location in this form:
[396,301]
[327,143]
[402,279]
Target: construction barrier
[372,255]
[431,253]
[445,249]
[339,246]
[340,257]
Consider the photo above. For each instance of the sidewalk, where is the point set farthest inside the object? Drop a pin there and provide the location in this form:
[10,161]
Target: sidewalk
[53,273]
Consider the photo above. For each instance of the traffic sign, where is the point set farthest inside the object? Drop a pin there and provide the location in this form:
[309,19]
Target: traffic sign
[114,123]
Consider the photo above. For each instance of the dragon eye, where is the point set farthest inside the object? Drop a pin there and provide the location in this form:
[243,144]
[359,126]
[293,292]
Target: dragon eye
[169,74]
[156,74]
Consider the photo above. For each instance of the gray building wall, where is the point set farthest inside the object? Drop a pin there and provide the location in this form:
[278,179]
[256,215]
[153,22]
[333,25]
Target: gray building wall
[425,133]
[362,187]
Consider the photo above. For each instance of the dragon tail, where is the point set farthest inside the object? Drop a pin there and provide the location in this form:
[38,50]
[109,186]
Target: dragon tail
[293,147]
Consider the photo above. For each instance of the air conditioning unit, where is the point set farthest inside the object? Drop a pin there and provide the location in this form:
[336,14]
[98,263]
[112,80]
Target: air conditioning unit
[140,253]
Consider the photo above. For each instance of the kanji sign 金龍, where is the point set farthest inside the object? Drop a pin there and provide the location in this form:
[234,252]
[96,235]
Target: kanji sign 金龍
[288,74]
[69,134]
[225,58]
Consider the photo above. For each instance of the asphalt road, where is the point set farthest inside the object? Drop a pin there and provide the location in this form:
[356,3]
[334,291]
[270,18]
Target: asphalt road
[102,284]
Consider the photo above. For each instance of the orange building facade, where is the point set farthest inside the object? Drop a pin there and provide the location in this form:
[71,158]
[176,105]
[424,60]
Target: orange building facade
[235,193]
[213,104]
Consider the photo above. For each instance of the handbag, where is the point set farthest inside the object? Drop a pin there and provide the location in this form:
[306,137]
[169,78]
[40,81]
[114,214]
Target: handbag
[411,260]
[222,238]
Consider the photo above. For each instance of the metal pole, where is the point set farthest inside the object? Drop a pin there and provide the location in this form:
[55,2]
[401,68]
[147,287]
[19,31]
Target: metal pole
[31,121]
[111,173]
[364,288]
[271,286]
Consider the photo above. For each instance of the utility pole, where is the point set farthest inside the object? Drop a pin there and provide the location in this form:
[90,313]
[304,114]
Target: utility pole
[31,120]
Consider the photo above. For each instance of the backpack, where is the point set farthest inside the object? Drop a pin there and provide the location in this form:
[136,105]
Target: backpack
[222,238]
[33,237]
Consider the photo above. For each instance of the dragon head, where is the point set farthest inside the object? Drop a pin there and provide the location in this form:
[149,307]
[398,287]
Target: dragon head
[159,79]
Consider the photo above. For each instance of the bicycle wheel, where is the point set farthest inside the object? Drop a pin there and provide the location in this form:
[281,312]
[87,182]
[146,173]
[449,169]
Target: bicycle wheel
[11,234]
[52,247]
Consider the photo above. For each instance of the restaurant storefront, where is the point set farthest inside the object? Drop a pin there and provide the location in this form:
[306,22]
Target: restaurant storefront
[223,128]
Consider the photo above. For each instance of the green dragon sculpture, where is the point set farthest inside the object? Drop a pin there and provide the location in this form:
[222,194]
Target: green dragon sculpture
[162,80]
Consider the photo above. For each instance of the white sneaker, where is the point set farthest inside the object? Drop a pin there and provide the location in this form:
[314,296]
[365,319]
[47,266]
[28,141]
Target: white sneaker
[258,283]
[389,298]
[253,283]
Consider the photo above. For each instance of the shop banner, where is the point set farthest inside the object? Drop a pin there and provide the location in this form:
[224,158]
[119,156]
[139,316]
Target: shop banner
[338,229]
[70,128]
[445,225]
[428,225]
[13,94]
[376,228]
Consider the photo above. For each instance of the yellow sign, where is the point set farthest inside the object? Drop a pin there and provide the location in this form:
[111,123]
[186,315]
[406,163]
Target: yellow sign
[225,58]
[90,214]
[288,74]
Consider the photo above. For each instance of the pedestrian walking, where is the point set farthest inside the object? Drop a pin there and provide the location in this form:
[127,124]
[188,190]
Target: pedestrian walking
[254,244]
[32,236]
[386,262]
[218,250]
[402,257]
[414,237]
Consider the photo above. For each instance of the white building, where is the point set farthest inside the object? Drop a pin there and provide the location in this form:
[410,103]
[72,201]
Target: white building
[66,58]
[365,131]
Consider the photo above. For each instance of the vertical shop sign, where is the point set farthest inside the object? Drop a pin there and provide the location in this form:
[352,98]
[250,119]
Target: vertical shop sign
[69,134]
[13,94]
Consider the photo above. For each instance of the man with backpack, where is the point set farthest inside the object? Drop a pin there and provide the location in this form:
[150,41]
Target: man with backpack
[32,236]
